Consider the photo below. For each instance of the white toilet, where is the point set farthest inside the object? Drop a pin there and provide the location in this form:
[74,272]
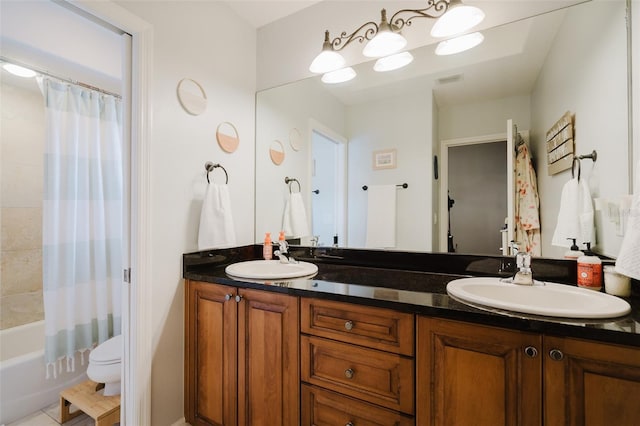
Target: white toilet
[105,365]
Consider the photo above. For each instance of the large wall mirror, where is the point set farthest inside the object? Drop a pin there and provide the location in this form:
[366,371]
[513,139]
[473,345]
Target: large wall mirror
[530,71]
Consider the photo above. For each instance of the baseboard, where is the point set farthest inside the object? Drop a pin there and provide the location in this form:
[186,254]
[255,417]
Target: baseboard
[181,422]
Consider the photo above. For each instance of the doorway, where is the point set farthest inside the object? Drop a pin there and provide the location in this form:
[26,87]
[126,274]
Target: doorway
[477,212]
[328,186]
[137,353]
[476,217]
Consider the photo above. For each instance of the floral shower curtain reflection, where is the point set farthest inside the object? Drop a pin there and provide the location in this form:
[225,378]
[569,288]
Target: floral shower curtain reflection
[82,220]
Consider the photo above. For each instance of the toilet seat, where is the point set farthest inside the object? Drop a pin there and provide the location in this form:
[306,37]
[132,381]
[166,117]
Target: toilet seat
[108,352]
[105,365]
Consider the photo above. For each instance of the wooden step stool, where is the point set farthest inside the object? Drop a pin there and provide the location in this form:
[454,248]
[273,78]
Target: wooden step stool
[105,410]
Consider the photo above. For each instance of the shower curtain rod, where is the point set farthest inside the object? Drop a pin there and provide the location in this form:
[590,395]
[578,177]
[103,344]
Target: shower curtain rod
[65,80]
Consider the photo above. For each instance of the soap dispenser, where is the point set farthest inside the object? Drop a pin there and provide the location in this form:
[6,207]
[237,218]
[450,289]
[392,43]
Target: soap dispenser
[267,248]
[574,252]
[590,270]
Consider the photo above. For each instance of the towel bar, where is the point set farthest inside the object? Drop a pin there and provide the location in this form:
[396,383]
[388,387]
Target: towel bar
[403,185]
[209,166]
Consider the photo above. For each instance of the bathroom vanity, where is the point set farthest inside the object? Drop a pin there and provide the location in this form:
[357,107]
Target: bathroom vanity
[373,338]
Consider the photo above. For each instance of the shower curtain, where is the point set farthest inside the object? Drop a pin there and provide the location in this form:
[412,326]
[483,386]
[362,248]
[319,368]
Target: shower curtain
[82,221]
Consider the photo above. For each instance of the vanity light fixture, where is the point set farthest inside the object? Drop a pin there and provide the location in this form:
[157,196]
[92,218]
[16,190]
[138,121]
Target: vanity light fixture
[393,62]
[339,76]
[458,19]
[327,60]
[19,71]
[387,40]
[459,44]
[384,39]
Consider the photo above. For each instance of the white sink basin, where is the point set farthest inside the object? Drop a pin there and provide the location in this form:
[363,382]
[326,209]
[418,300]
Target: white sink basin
[270,269]
[550,299]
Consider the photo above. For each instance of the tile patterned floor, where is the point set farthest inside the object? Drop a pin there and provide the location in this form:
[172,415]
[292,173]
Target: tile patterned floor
[50,416]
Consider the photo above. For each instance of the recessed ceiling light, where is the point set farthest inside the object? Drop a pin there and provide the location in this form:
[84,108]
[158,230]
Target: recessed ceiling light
[19,71]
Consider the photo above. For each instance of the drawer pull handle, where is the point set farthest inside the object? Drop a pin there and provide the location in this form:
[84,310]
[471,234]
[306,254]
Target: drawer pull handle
[349,424]
[348,325]
[531,351]
[348,373]
[556,354]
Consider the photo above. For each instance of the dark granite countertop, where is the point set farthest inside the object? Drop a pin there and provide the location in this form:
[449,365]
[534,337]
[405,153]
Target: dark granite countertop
[415,283]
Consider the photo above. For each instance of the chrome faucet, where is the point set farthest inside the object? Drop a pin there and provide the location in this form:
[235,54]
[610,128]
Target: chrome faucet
[283,252]
[523,275]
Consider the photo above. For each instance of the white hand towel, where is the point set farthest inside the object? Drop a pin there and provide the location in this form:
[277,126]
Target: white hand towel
[294,219]
[381,216]
[216,219]
[575,216]
[628,262]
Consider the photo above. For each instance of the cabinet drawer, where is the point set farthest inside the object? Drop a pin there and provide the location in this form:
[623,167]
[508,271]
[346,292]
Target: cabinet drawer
[325,408]
[378,377]
[377,328]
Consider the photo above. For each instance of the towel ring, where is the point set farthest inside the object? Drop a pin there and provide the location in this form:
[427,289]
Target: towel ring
[209,166]
[289,181]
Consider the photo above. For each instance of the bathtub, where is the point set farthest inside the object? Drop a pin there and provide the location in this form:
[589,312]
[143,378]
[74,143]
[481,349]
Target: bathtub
[24,388]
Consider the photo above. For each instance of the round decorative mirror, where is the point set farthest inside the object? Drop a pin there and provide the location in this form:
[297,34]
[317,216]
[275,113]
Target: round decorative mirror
[276,152]
[192,96]
[295,139]
[227,136]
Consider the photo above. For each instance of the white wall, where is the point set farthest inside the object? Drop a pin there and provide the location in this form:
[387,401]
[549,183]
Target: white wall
[585,73]
[279,111]
[207,42]
[483,118]
[402,123]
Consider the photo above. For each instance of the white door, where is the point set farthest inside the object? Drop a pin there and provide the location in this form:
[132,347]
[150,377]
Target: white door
[324,186]
[511,188]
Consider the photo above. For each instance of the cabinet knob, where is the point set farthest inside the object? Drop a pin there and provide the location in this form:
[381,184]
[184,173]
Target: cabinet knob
[348,373]
[531,351]
[556,354]
[238,298]
[348,325]
[228,297]
[349,424]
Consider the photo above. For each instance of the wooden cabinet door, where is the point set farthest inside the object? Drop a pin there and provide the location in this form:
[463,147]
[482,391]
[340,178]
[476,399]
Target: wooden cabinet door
[588,383]
[210,354]
[268,359]
[477,375]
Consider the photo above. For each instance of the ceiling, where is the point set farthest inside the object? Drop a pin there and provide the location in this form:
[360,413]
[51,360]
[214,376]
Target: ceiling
[263,12]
